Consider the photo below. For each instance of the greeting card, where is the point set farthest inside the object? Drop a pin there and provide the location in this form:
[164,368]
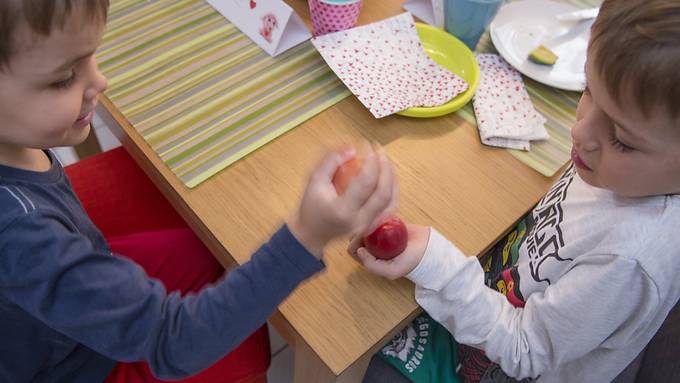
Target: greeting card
[271,24]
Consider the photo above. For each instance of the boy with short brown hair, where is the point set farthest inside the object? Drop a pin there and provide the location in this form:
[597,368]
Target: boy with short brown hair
[70,309]
[581,285]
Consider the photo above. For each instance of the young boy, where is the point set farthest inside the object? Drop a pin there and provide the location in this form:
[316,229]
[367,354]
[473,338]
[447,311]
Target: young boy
[585,280]
[69,309]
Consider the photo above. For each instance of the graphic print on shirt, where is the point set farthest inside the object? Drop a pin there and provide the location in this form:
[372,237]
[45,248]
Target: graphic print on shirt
[424,351]
[402,344]
[499,264]
[540,233]
[500,274]
[545,239]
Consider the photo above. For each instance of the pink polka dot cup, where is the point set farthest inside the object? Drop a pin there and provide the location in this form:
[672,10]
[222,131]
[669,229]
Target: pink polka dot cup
[333,15]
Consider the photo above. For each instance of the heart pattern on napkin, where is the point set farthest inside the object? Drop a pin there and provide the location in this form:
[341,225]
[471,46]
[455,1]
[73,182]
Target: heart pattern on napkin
[506,117]
[385,66]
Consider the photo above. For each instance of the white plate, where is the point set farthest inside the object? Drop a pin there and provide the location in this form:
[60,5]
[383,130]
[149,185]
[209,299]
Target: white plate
[521,26]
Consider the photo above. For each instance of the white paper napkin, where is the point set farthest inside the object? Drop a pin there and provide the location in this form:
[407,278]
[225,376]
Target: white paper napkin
[385,66]
[506,117]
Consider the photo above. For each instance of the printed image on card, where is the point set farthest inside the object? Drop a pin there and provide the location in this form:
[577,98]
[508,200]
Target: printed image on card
[271,24]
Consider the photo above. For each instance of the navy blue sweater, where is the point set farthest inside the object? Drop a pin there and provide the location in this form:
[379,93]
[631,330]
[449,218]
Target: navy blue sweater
[69,308]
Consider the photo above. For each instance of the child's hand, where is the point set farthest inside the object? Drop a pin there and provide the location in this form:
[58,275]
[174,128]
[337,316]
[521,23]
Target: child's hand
[402,264]
[323,215]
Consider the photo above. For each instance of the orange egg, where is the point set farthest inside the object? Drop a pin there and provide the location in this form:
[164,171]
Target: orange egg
[343,176]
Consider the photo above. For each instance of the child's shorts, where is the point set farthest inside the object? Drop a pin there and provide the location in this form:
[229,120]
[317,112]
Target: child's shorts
[424,351]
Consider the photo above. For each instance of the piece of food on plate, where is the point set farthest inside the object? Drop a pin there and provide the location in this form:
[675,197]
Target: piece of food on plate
[543,56]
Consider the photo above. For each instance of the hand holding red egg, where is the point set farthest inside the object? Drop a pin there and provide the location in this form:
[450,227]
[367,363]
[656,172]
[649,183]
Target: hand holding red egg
[391,237]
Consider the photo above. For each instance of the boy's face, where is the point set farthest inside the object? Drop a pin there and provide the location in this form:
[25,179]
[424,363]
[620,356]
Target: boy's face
[619,149]
[49,90]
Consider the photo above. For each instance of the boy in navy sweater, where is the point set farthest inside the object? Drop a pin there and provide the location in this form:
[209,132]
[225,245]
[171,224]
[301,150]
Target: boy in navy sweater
[69,307]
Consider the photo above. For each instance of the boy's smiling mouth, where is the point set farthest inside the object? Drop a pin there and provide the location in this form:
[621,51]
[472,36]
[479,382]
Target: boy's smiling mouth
[578,162]
[85,119]
[84,116]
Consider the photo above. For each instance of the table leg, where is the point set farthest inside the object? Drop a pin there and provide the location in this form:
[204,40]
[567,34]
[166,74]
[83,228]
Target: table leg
[309,368]
[89,147]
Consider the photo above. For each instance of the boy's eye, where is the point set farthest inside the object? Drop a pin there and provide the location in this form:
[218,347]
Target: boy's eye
[63,84]
[620,145]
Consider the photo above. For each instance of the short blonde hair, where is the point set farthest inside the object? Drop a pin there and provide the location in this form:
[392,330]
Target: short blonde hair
[41,16]
[636,48]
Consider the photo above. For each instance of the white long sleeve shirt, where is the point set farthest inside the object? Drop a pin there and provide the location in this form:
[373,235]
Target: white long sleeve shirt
[594,277]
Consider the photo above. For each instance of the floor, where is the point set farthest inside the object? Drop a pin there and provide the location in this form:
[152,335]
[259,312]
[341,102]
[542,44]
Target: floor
[281,370]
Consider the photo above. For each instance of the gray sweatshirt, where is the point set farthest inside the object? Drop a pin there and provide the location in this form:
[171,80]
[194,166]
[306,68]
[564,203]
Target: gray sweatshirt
[572,295]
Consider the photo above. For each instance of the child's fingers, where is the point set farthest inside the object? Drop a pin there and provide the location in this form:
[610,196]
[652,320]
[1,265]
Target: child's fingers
[391,208]
[378,205]
[355,243]
[329,164]
[377,266]
[394,205]
[356,259]
[363,184]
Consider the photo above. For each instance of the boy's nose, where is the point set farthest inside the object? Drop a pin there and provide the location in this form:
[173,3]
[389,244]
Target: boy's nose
[98,85]
[584,135]
[102,82]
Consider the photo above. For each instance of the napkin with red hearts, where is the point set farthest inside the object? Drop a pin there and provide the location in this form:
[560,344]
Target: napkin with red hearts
[505,114]
[385,66]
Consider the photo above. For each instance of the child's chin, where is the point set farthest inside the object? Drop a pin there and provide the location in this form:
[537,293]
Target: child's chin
[78,136]
[587,177]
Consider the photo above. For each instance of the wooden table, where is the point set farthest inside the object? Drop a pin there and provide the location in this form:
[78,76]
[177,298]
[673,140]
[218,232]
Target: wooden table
[335,322]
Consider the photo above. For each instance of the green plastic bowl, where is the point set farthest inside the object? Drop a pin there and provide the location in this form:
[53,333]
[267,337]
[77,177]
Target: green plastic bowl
[453,55]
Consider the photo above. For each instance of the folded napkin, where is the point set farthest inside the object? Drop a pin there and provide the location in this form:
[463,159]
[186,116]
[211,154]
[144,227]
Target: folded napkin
[505,114]
[385,66]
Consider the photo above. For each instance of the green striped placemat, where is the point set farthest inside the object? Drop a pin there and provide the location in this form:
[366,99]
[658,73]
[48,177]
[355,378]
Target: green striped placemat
[558,107]
[199,91]
[203,95]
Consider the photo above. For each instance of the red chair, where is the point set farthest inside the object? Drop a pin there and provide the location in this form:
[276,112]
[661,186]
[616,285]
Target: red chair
[122,201]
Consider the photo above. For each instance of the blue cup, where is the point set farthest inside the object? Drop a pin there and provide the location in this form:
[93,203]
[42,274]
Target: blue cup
[468,19]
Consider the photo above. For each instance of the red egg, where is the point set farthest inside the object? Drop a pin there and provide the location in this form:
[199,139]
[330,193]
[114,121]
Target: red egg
[388,240]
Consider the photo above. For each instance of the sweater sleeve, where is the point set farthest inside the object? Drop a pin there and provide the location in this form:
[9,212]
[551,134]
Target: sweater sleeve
[601,301]
[110,305]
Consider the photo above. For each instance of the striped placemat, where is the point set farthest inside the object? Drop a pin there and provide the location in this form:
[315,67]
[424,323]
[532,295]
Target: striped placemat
[199,91]
[558,107]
